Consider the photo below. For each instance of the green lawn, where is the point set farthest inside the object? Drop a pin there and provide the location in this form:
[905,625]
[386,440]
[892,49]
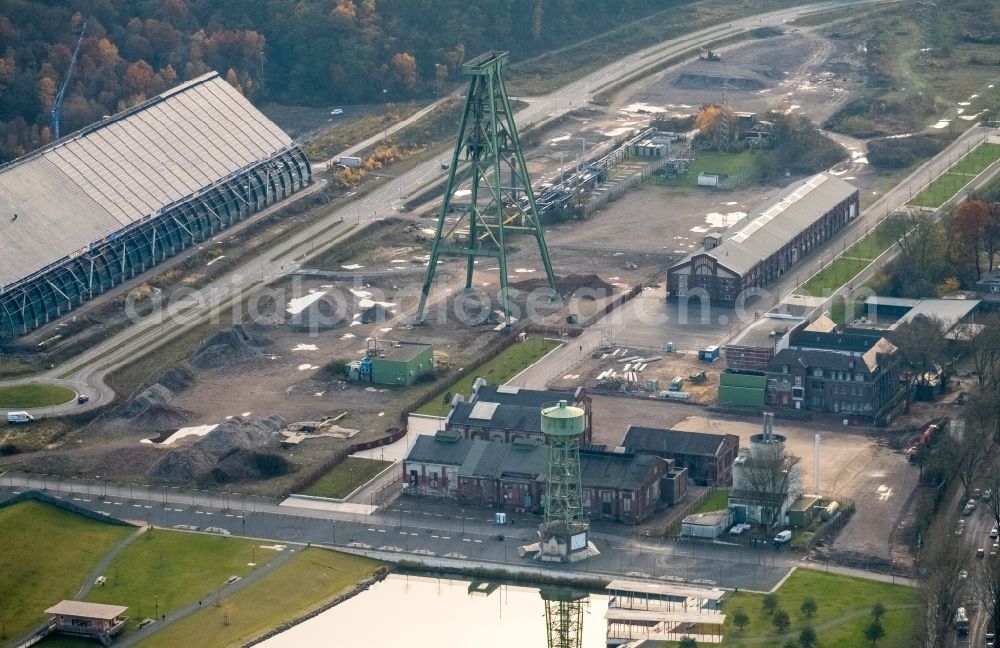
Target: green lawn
[47,553]
[843,610]
[510,362]
[34,395]
[170,569]
[847,266]
[346,476]
[308,580]
[960,174]
[717,500]
[712,162]
[978,159]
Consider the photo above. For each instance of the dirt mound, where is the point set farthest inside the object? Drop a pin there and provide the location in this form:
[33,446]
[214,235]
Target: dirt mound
[591,285]
[230,452]
[184,465]
[694,81]
[177,379]
[155,394]
[334,309]
[238,433]
[249,465]
[226,348]
[160,418]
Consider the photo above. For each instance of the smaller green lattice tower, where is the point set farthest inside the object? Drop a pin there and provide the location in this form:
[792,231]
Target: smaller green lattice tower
[564,527]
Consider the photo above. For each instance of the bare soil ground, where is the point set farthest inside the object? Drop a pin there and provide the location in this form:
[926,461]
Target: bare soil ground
[663,371]
[802,70]
[629,242]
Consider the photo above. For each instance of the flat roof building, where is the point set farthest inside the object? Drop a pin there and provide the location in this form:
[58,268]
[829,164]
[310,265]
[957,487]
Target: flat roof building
[759,248]
[403,363]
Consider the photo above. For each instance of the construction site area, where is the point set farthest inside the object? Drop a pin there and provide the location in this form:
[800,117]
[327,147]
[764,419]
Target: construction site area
[278,393]
[286,357]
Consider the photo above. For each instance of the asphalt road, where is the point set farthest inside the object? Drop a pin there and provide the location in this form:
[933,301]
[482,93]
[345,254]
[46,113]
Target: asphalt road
[416,528]
[85,373]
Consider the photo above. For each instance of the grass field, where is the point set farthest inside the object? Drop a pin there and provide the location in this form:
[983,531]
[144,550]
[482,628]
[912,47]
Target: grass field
[711,162]
[717,500]
[845,267]
[346,476]
[510,362]
[843,610]
[960,174]
[170,569]
[308,580]
[46,555]
[35,395]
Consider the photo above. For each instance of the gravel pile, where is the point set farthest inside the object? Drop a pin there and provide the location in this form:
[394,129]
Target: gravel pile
[227,348]
[237,450]
[186,465]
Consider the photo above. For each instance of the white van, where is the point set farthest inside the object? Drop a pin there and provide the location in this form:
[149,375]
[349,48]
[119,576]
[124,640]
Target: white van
[19,417]
[783,537]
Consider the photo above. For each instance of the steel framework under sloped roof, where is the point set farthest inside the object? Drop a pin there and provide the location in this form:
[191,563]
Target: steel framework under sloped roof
[105,203]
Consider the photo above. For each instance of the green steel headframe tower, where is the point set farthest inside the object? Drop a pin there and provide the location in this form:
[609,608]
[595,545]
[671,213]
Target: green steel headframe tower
[489,147]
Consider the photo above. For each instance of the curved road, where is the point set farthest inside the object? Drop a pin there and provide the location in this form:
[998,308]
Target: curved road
[85,373]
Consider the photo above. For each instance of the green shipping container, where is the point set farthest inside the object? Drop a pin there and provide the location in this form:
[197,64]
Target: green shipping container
[403,364]
[742,390]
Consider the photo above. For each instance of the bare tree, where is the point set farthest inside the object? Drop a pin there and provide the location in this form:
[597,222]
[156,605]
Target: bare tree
[768,477]
[981,342]
[921,346]
[992,484]
[941,592]
[984,407]
[965,448]
[987,591]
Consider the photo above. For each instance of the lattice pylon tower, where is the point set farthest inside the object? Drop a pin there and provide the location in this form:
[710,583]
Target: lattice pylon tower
[487,149]
[563,617]
[562,426]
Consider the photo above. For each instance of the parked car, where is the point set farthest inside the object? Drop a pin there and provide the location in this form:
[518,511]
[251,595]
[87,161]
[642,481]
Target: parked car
[337,111]
[987,495]
[739,528]
[995,532]
[976,493]
[783,537]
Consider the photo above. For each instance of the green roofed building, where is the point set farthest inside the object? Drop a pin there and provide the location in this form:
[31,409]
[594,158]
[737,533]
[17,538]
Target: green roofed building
[403,363]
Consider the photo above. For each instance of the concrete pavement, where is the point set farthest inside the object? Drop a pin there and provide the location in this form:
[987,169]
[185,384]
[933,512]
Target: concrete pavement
[421,529]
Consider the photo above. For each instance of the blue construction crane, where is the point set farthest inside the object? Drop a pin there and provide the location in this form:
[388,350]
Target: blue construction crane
[57,104]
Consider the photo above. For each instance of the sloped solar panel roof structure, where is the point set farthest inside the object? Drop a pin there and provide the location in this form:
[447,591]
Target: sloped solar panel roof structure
[62,199]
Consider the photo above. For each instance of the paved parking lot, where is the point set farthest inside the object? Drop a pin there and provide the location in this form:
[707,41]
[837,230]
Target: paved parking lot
[852,465]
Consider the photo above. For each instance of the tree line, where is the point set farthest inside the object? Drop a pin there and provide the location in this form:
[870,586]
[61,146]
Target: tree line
[309,52]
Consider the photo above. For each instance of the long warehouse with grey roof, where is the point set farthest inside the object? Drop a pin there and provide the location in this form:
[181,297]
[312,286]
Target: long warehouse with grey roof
[762,246]
[101,205]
